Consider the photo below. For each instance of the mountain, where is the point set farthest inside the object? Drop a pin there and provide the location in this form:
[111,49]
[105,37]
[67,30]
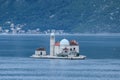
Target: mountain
[82,16]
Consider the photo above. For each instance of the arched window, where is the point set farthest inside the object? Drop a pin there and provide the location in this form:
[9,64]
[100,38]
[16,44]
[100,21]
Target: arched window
[74,49]
[66,51]
[40,53]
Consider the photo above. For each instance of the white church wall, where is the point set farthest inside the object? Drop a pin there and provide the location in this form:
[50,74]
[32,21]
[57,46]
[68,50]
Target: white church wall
[52,43]
[56,50]
[40,53]
[43,53]
[37,52]
[76,48]
[62,47]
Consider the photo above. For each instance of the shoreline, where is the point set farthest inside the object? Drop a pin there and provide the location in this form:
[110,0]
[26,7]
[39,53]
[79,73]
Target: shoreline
[81,57]
[68,34]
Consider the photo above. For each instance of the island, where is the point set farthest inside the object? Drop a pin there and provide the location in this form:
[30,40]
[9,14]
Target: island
[64,49]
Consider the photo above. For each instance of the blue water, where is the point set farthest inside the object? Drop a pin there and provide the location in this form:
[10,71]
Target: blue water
[12,68]
[97,47]
[102,63]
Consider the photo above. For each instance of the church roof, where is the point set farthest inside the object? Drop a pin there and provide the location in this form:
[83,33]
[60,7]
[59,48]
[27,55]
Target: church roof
[73,42]
[64,42]
[57,44]
[40,49]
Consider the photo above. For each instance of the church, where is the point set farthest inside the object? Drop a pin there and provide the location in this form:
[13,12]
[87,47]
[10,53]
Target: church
[64,48]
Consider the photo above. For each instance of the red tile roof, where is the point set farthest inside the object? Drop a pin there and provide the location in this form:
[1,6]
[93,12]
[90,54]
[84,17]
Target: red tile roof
[57,44]
[73,42]
[40,49]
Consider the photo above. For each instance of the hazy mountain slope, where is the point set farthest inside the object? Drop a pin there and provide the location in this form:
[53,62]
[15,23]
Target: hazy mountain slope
[71,15]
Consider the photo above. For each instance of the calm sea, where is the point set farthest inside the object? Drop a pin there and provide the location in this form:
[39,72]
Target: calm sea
[102,63]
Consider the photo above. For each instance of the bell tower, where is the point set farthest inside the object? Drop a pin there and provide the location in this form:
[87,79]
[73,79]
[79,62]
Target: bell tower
[52,43]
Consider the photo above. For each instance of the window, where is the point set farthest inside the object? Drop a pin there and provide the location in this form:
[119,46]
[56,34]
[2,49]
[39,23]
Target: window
[40,53]
[73,48]
[66,51]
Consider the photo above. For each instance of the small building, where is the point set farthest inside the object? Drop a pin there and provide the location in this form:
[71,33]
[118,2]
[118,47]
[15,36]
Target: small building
[40,52]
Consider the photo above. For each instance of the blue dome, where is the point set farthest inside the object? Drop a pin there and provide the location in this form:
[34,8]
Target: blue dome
[64,42]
